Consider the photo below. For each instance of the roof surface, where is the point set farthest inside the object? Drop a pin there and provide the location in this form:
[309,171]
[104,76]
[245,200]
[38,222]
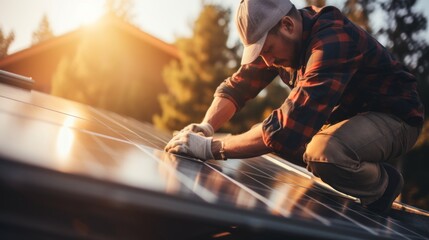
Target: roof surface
[121,25]
[69,170]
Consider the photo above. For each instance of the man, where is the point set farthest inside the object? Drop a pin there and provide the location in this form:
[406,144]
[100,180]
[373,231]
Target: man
[353,108]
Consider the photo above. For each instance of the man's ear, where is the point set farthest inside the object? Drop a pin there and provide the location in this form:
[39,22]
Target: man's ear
[288,23]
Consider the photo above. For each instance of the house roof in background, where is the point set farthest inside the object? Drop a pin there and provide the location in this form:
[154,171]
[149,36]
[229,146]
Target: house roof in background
[74,35]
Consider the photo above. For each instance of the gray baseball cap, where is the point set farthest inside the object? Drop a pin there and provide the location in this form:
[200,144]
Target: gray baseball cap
[254,19]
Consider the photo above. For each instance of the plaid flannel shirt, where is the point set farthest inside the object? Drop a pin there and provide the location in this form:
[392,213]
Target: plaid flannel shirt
[344,71]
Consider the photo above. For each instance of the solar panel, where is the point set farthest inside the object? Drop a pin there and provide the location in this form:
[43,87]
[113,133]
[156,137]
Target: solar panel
[69,170]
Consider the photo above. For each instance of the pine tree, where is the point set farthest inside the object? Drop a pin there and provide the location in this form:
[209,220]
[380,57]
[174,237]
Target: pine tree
[205,62]
[44,32]
[5,42]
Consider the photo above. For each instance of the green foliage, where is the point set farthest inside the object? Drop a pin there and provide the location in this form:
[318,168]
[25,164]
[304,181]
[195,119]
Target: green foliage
[205,62]
[44,32]
[5,42]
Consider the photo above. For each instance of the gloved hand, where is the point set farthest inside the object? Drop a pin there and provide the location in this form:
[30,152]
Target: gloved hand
[192,144]
[205,128]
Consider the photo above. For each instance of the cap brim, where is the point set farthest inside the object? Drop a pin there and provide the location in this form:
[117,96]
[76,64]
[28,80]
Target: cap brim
[252,51]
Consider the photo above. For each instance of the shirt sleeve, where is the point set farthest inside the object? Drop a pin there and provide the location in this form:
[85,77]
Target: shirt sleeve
[246,83]
[331,60]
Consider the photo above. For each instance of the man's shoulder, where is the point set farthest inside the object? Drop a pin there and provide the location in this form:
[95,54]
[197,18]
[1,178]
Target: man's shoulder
[317,21]
[327,12]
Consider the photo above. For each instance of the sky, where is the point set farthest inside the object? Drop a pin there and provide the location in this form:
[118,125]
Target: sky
[164,19]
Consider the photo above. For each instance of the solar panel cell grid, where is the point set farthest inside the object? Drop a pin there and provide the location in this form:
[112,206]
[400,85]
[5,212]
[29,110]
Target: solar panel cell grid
[78,140]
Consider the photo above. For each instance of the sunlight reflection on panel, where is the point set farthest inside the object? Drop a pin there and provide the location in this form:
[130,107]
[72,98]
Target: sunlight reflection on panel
[167,169]
[245,200]
[285,196]
[141,170]
[64,141]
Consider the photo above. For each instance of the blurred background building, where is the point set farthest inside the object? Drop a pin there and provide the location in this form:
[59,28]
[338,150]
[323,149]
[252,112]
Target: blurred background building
[110,64]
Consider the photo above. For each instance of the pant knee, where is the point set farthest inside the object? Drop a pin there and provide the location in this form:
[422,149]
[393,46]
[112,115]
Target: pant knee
[329,173]
[337,177]
[366,182]
[328,149]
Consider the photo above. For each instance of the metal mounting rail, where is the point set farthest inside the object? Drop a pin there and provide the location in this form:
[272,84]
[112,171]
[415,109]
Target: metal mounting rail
[16,80]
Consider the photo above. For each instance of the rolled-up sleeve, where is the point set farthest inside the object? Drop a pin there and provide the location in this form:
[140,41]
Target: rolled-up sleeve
[246,83]
[332,61]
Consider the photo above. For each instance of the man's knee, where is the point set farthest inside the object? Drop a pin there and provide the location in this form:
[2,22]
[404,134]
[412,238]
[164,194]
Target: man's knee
[330,160]
[329,173]
[367,181]
[324,148]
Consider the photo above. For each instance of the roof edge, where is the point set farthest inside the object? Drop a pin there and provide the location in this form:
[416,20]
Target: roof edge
[131,29]
[37,48]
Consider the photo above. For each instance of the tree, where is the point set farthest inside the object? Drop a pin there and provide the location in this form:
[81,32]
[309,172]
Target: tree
[5,42]
[402,32]
[358,11]
[205,62]
[44,32]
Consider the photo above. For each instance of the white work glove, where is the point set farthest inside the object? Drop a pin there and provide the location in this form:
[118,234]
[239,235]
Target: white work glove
[205,128]
[191,144]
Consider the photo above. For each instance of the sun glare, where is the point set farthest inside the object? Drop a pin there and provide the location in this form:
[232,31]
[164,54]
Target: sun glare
[88,13]
[67,15]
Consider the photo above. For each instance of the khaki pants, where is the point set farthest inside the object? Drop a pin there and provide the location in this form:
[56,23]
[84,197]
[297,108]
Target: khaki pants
[346,155]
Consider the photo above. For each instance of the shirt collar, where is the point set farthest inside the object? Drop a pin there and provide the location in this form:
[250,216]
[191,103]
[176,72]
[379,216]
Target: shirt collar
[307,15]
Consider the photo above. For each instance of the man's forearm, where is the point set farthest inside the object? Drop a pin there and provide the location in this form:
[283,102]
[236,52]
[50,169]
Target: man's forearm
[219,112]
[248,144]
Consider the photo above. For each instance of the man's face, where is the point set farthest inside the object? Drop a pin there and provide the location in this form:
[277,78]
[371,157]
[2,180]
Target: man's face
[282,45]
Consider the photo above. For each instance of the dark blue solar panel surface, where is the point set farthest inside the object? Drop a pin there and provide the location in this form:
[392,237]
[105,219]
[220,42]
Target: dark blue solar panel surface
[75,139]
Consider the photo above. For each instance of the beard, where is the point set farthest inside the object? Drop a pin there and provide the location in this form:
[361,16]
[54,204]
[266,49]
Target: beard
[290,63]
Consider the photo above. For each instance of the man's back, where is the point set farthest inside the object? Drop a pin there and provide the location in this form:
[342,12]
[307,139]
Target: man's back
[378,82]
